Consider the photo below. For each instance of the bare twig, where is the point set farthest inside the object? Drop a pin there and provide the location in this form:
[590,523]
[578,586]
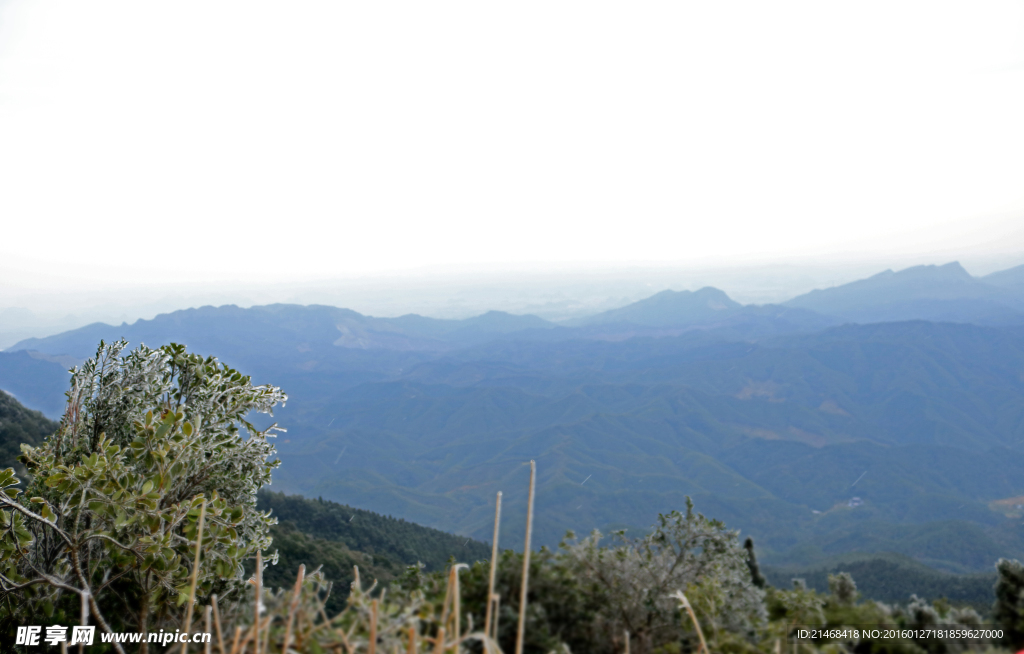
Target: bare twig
[412,640]
[685,604]
[373,627]
[439,642]
[238,635]
[520,629]
[291,608]
[259,599]
[195,576]
[447,598]
[457,600]
[497,607]
[494,564]
[76,563]
[84,620]
[206,620]
[38,518]
[216,624]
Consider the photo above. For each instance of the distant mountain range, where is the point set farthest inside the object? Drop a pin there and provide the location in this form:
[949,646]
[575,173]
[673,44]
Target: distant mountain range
[882,415]
[945,293]
[940,293]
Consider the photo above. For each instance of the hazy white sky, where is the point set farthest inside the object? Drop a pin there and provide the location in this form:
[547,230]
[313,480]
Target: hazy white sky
[144,141]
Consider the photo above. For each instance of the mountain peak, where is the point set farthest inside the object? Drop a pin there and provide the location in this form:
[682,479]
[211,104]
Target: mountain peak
[949,271]
[928,292]
[671,308]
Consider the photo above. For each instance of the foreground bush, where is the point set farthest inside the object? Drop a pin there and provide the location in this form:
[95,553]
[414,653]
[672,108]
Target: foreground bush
[590,593]
[150,444]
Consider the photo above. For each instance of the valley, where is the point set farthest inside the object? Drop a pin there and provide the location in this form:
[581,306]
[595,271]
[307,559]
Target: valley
[772,418]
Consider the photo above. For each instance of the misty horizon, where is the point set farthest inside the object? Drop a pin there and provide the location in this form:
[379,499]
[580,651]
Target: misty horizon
[554,295]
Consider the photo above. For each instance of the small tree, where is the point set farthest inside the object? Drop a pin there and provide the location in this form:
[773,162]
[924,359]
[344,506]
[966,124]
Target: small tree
[109,517]
[687,552]
[842,587]
[756,576]
[1008,611]
[589,593]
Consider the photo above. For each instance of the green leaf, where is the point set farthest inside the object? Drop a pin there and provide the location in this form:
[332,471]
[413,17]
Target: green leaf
[147,487]
[55,479]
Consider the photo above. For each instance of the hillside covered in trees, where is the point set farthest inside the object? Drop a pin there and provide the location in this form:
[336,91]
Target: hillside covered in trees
[20,425]
[316,533]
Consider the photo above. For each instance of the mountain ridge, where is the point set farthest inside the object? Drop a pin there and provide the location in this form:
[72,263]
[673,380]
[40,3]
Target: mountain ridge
[773,418]
[943,293]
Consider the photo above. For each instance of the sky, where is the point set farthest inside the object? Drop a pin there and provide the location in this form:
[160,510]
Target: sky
[230,145]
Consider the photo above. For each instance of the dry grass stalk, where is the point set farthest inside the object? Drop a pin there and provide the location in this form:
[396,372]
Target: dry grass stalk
[627,641]
[685,604]
[367,625]
[494,564]
[457,600]
[259,600]
[497,605]
[291,608]
[447,598]
[456,604]
[234,645]
[374,606]
[216,624]
[195,575]
[300,616]
[207,627]
[241,646]
[520,629]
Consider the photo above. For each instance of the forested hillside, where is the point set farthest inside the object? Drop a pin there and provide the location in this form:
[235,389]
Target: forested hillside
[317,532]
[19,425]
[816,437]
[334,537]
[893,578]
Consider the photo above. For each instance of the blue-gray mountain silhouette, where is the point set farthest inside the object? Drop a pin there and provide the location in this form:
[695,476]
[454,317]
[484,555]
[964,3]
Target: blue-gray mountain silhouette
[938,293]
[772,417]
